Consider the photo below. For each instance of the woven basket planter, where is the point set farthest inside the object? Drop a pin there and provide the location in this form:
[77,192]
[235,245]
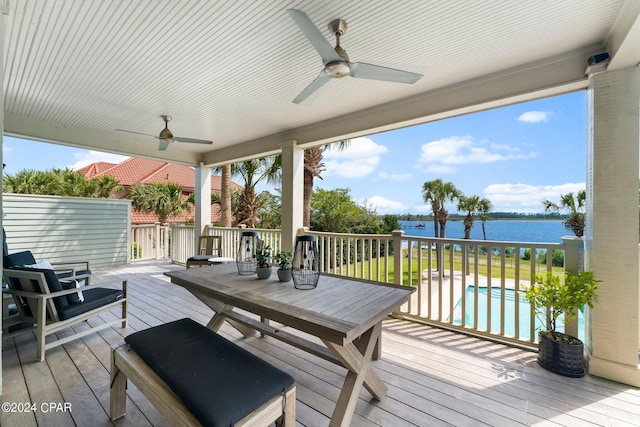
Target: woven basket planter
[560,357]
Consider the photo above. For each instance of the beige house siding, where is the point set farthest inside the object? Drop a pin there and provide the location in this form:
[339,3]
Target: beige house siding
[66,229]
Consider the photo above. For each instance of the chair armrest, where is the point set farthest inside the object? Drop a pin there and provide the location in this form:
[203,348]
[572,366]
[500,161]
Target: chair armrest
[70,267]
[74,277]
[38,295]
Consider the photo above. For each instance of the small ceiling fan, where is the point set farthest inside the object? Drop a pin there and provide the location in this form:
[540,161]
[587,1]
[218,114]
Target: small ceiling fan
[335,60]
[166,136]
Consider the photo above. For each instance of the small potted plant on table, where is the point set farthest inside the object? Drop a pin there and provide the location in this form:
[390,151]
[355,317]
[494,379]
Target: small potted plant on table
[559,352]
[263,262]
[283,259]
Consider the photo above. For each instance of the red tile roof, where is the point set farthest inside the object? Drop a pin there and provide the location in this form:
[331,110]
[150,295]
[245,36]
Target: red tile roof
[137,170]
[94,169]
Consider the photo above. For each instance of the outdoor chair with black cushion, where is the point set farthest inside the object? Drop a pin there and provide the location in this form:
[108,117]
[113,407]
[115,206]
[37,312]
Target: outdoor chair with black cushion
[208,247]
[46,304]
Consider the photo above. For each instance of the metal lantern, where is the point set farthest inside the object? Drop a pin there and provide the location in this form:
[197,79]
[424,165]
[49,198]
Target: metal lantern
[246,255]
[306,265]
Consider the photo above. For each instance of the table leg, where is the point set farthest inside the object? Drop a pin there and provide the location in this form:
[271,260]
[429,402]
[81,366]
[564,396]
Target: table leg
[357,360]
[218,318]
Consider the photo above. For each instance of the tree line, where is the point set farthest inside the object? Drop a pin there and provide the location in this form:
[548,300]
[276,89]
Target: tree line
[324,210]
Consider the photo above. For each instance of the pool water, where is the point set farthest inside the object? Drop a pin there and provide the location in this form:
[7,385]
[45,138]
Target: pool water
[509,327]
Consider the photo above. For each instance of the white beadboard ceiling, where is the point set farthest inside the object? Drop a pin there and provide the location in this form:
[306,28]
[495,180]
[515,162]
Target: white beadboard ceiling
[77,71]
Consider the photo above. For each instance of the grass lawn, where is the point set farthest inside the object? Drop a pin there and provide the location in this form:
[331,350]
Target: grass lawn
[369,269]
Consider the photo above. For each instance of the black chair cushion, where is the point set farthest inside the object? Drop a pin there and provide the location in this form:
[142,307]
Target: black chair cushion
[219,382]
[73,298]
[93,298]
[52,283]
[200,258]
[18,259]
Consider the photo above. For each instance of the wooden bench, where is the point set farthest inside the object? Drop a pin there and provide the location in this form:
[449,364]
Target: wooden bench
[195,377]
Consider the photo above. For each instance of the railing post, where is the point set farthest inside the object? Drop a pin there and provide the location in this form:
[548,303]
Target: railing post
[397,256]
[157,241]
[573,263]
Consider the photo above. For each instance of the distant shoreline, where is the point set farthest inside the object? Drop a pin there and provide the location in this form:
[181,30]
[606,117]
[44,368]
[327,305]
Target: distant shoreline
[460,218]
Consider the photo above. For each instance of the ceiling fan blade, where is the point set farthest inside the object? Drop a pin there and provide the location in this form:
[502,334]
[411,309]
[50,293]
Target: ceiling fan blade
[164,143]
[137,133]
[361,70]
[191,140]
[320,81]
[315,37]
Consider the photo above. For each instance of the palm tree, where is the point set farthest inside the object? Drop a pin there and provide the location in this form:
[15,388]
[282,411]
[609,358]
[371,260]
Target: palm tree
[252,172]
[483,217]
[106,186]
[30,181]
[60,182]
[225,197]
[438,193]
[163,199]
[575,205]
[216,199]
[313,168]
[472,205]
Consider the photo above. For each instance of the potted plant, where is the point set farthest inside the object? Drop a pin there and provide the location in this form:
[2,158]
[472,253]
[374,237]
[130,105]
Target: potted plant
[263,262]
[550,297]
[284,262]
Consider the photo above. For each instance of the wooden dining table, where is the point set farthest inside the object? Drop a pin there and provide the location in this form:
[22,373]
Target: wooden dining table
[345,314]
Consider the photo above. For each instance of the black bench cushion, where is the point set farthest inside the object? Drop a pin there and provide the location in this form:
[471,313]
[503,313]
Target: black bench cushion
[219,382]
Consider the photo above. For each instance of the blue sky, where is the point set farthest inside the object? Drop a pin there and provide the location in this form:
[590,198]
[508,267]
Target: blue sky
[515,156]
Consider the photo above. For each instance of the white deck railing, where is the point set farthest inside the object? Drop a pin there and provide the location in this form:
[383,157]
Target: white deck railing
[467,285]
[149,241]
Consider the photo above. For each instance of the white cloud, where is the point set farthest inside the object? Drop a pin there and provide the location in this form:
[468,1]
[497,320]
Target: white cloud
[534,116]
[359,159]
[526,198]
[383,205]
[394,176]
[85,158]
[442,155]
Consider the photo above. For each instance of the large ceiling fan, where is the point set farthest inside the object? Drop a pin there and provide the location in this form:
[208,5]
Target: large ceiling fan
[166,137]
[335,60]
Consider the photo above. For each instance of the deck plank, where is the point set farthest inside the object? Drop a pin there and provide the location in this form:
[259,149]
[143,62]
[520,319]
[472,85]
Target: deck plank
[435,377]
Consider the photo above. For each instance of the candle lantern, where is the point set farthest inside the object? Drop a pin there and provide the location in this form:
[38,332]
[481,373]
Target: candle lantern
[306,265]
[246,255]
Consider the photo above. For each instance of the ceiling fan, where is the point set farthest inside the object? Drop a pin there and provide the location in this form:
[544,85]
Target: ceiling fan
[335,60]
[166,137]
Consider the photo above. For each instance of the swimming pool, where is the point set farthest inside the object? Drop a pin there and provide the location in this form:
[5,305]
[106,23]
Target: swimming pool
[509,327]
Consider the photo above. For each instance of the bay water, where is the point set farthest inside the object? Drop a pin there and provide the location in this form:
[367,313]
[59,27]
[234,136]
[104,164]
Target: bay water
[545,231]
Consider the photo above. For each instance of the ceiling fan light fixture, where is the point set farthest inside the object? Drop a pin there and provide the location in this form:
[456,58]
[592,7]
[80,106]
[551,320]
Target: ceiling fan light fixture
[166,134]
[337,69]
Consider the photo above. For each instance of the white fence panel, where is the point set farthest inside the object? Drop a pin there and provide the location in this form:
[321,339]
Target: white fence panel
[68,229]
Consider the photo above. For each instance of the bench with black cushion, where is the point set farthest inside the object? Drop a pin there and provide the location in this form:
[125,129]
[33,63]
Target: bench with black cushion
[50,305]
[196,377]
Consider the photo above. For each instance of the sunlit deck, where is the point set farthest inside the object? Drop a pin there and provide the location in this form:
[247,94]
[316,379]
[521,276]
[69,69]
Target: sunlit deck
[435,377]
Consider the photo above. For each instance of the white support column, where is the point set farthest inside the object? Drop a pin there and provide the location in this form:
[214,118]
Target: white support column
[612,230]
[292,193]
[202,196]
[4,11]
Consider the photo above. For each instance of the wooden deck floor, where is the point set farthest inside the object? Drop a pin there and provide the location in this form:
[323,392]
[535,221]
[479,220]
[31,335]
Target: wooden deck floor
[435,377]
